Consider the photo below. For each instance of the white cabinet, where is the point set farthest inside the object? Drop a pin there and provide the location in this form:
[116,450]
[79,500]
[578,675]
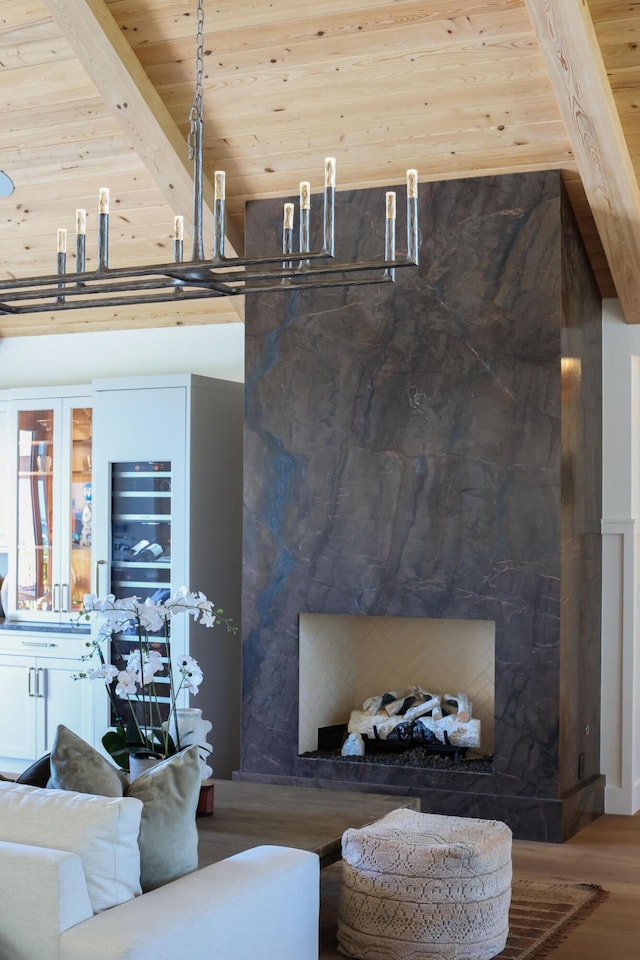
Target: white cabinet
[165,465]
[38,692]
[49,456]
[167,472]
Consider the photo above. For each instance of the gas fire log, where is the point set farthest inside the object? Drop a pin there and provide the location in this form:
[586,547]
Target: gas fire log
[457,705]
[379,726]
[460,733]
[417,716]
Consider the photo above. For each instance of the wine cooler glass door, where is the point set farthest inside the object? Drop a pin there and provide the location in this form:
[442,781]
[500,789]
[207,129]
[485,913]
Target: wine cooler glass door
[141,530]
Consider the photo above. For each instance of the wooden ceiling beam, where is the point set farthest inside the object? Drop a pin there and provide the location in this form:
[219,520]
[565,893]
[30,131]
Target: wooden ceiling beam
[105,54]
[570,48]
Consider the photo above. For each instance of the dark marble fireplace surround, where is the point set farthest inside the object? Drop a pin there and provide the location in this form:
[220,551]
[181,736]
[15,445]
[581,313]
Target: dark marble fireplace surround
[432,448]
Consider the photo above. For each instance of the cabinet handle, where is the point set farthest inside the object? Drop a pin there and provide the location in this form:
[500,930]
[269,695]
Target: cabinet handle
[40,691]
[31,676]
[37,643]
[65,598]
[56,598]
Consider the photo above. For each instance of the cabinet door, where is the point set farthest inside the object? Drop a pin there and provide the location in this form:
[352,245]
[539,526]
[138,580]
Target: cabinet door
[32,592]
[50,549]
[61,699]
[76,508]
[18,710]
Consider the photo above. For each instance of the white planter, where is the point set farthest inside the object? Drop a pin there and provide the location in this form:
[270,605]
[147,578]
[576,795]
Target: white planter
[193,729]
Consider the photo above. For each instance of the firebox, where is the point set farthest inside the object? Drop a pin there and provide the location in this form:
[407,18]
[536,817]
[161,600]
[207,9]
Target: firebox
[344,661]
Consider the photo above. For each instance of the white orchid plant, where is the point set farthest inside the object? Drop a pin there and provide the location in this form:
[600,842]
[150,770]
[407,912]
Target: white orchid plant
[131,679]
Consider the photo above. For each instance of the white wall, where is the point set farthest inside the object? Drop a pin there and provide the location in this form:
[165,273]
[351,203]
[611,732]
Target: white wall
[620,754]
[212,350]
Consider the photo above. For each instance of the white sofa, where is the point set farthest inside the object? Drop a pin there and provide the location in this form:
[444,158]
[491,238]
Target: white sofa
[262,903]
[70,890]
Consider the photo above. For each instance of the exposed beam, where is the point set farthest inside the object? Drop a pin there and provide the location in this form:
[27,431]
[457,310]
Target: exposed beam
[104,52]
[569,45]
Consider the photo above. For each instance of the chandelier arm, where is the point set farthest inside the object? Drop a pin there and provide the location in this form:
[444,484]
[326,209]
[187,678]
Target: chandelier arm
[195,275]
[217,290]
[170,277]
[189,269]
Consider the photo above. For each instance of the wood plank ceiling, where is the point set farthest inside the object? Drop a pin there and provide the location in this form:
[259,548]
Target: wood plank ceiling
[97,93]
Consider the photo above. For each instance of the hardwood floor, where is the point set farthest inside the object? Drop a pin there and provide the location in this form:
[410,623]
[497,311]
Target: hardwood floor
[607,852]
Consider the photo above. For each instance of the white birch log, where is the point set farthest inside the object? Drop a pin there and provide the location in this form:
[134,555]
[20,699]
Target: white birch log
[373,704]
[396,705]
[419,709]
[378,725]
[460,734]
[464,707]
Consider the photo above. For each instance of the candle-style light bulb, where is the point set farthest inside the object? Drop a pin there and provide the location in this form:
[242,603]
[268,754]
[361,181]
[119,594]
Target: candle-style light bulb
[391,204]
[218,185]
[81,222]
[178,228]
[287,221]
[412,183]
[103,200]
[62,240]
[305,195]
[329,171]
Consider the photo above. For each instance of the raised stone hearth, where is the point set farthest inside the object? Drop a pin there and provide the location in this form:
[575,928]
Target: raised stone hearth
[432,449]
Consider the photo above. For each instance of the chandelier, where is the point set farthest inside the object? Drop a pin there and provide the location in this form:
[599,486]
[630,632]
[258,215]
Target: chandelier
[219,275]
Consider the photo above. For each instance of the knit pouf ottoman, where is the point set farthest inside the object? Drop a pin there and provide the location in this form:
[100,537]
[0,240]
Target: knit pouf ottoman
[425,887]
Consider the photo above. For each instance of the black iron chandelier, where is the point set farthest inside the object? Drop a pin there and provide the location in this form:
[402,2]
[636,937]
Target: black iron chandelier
[219,276]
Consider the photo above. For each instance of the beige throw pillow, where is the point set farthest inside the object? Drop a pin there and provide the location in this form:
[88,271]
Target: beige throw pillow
[168,833]
[75,765]
[169,791]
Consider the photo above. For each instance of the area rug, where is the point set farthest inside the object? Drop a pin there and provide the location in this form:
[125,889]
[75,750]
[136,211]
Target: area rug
[542,914]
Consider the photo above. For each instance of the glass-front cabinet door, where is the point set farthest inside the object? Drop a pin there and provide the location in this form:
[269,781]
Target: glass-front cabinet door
[50,556]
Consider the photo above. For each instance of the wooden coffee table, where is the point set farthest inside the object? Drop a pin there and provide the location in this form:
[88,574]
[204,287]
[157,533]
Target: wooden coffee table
[249,814]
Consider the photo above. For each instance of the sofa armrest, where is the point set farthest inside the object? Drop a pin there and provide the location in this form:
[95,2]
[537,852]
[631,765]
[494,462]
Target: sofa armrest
[262,903]
[44,892]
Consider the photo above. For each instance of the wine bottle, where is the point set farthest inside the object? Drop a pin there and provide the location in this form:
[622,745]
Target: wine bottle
[152,552]
[135,551]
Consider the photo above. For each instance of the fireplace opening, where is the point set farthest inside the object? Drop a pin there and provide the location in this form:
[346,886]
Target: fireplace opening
[403,691]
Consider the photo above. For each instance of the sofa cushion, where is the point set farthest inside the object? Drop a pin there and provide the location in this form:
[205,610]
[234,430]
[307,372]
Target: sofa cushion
[168,831]
[75,765]
[102,831]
